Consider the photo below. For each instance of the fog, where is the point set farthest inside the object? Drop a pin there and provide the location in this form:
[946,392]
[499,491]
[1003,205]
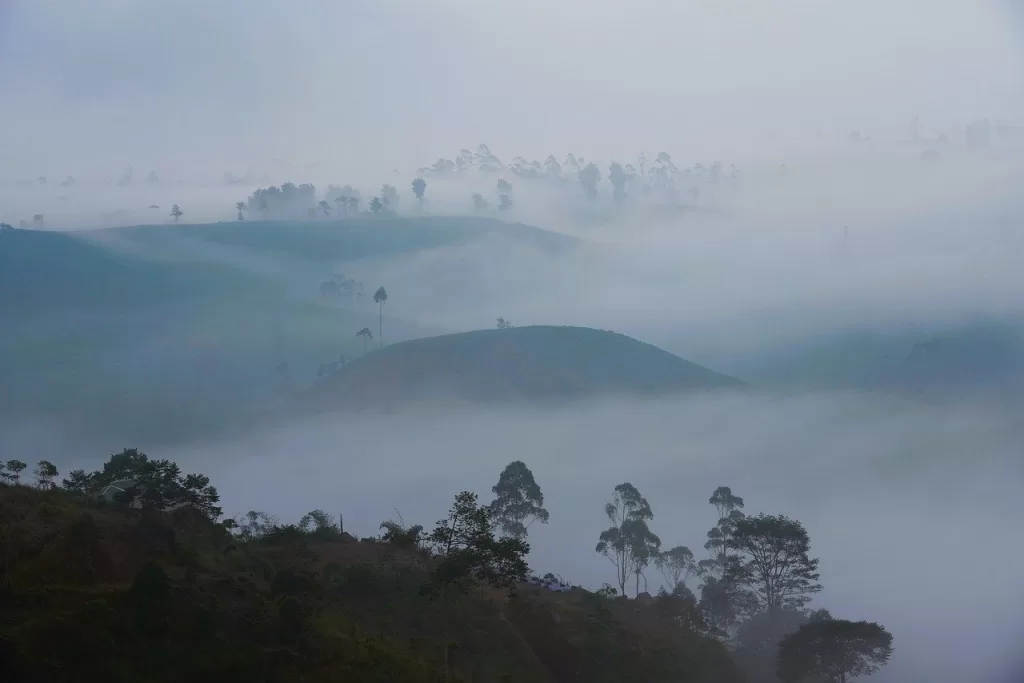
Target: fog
[192,88]
[912,508]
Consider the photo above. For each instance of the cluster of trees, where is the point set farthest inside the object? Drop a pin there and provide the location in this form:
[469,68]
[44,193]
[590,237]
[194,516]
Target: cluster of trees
[141,482]
[341,287]
[44,473]
[661,175]
[754,589]
[755,584]
[473,545]
[299,201]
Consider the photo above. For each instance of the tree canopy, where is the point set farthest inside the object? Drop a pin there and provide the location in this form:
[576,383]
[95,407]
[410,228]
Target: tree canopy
[773,562]
[834,650]
[157,484]
[518,500]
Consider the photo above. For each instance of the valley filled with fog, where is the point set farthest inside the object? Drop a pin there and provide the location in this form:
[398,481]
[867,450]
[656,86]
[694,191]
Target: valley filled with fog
[837,238]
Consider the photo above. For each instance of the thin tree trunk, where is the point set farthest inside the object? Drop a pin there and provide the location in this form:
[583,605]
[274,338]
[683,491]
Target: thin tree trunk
[380,325]
[444,609]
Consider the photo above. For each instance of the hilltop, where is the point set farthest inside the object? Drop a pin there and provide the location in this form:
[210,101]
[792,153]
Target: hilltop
[520,363]
[334,241]
[96,591]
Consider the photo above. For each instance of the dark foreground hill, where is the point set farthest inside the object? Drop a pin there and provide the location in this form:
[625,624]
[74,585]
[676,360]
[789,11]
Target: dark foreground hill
[523,363]
[93,593]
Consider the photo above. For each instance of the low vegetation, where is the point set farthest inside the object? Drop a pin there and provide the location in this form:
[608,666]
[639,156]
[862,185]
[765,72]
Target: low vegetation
[132,573]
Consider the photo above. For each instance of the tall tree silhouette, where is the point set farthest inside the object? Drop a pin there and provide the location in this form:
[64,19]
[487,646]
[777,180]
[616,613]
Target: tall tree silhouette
[419,186]
[325,207]
[589,177]
[773,562]
[240,206]
[176,212]
[380,297]
[518,501]
[629,543]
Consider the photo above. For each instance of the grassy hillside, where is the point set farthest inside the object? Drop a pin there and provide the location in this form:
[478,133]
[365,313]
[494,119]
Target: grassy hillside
[538,362]
[326,241]
[162,332]
[91,592]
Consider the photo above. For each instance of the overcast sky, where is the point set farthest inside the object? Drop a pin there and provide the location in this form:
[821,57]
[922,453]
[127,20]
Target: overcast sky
[189,84]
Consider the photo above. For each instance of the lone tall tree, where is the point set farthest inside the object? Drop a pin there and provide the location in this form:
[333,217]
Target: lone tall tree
[240,207]
[380,297]
[728,507]
[833,650]
[419,186]
[518,501]
[772,562]
[176,213]
[629,543]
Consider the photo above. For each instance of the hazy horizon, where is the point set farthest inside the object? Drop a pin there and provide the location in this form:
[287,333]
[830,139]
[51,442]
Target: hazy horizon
[849,201]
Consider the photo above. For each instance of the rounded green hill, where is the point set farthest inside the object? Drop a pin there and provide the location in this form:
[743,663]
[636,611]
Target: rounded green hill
[531,363]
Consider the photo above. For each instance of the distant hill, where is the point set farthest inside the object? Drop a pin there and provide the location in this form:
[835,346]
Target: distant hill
[522,363]
[979,359]
[163,330]
[982,357]
[337,241]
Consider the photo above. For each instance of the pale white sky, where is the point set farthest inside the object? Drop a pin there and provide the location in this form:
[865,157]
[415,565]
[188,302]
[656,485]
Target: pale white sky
[191,85]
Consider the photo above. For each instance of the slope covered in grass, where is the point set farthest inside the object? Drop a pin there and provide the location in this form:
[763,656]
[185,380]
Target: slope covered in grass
[530,363]
[335,241]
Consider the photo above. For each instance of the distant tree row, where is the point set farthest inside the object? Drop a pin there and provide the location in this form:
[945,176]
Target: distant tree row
[662,175]
[290,201]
